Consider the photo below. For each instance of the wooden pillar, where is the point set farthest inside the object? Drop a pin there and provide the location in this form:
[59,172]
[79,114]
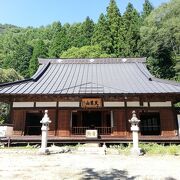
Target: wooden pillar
[112,119]
[56,119]
[126,115]
[11,113]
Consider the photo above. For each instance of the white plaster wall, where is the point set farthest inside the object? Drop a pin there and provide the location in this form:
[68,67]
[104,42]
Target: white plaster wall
[23,104]
[133,104]
[161,104]
[113,104]
[45,104]
[68,104]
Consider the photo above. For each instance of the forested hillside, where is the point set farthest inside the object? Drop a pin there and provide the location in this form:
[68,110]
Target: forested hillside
[153,33]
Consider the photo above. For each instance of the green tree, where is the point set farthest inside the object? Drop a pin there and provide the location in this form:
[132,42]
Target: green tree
[59,41]
[39,51]
[131,32]
[177,68]
[161,38]
[84,52]
[87,31]
[147,8]
[102,35]
[114,21]
[19,57]
[75,35]
[9,75]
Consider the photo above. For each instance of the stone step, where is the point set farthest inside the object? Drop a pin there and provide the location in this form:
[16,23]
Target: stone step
[91,150]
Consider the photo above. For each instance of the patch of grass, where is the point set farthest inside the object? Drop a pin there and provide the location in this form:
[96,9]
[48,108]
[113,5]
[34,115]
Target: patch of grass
[19,147]
[121,148]
[148,148]
[153,148]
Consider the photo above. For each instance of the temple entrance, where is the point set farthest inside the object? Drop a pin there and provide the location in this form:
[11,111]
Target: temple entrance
[32,124]
[83,120]
[92,119]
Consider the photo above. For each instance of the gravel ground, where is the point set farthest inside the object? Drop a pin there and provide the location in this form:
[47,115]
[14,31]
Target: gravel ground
[27,164]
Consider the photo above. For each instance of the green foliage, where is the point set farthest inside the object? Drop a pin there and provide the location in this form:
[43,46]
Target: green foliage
[148,148]
[147,8]
[161,67]
[59,41]
[87,31]
[40,51]
[114,22]
[18,56]
[102,35]
[155,34]
[153,148]
[177,68]
[131,32]
[121,149]
[160,37]
[4,111]
[177,104]
[84,52]
[6,27]
[9,75]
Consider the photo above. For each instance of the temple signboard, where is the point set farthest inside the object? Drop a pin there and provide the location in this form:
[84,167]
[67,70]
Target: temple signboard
[92,133]
[91,103]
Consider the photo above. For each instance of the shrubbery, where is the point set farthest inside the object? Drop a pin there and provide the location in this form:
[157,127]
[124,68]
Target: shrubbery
[149,148]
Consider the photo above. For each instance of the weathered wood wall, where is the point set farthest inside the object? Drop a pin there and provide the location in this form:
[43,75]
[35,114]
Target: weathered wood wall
[60,125]
[19,121]
[119,122]
[63,123]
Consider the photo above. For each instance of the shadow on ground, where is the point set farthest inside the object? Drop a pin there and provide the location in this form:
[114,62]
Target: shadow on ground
[89,173]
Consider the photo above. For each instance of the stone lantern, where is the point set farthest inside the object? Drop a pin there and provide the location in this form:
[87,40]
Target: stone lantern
[135,129]
[45,127]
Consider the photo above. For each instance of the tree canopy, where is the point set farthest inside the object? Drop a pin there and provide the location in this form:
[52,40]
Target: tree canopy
[9,75]
[160,37]
[85,52]
[154,33]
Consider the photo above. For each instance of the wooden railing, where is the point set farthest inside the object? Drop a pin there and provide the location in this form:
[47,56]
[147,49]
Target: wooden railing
[82,130]
[104,130]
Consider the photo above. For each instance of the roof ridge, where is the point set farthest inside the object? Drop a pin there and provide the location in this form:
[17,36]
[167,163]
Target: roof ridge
[91,60]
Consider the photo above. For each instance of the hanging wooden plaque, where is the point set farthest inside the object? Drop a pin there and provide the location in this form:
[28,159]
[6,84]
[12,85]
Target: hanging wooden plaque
[91,103]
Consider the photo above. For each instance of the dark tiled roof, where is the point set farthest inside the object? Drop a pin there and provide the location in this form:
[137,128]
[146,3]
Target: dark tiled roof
[91,76]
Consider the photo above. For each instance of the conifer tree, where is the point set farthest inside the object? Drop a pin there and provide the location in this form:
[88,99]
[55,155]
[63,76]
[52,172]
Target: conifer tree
[59,41]
[131,32]
[19,58]
[147,8]
[39,51]
[75,36]
[87,31]
[114,21]
[102,35]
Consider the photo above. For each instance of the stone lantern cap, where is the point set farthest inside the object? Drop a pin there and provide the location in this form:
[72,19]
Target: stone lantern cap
[45,119]
[134,120]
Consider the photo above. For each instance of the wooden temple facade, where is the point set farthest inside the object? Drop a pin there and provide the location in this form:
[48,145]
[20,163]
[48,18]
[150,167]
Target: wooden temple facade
[82,94]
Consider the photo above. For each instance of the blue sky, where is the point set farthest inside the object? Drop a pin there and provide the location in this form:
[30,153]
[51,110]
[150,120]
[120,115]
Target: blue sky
[43,12]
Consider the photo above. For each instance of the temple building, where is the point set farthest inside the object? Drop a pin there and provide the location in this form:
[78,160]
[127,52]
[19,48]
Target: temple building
[82,94]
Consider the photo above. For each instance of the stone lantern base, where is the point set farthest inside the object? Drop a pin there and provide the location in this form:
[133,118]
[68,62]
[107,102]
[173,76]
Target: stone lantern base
[44,151]
[137,151]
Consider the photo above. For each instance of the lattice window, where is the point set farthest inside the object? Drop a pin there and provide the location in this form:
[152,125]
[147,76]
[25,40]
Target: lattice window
[150,123]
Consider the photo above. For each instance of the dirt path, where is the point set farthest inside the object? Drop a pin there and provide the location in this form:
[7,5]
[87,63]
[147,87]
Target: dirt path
[28,164]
